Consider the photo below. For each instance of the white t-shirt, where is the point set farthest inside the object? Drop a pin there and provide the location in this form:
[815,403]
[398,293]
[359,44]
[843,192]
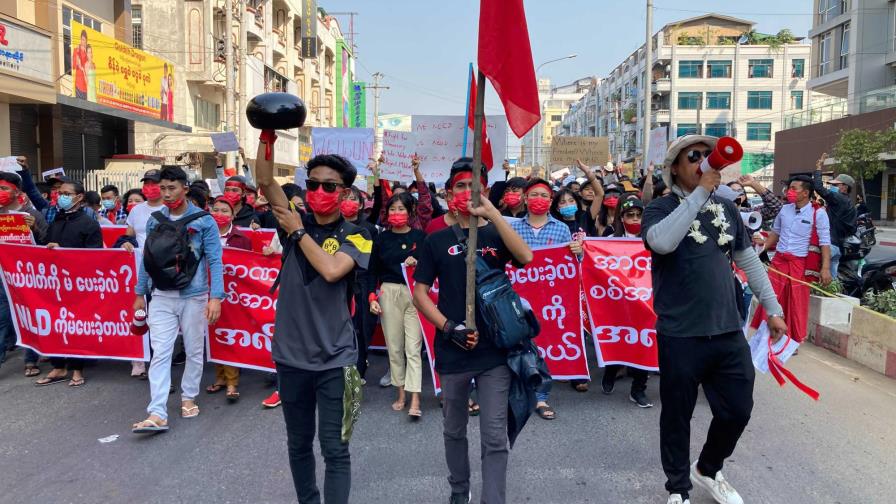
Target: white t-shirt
[138,217]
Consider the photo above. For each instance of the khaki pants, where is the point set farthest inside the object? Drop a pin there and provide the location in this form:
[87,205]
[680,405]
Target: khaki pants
[404,338]
[228,375]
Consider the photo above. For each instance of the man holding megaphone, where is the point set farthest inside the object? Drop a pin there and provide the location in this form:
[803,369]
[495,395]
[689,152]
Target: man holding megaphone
[693,236]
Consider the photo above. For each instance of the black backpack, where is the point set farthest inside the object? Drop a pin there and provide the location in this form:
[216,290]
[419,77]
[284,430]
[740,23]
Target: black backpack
[166,254]
[501,314]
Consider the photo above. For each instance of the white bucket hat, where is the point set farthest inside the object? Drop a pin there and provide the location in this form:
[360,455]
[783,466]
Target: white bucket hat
[679,145]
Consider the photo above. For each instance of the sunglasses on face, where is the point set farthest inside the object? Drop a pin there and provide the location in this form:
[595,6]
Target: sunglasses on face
[695,155]
[329,187]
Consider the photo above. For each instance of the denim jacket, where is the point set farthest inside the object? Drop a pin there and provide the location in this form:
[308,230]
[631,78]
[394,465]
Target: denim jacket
[206,242]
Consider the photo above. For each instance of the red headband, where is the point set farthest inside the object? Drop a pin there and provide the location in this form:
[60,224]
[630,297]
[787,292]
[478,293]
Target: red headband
[550,191]
[8,184]
[234,183]
[466,176]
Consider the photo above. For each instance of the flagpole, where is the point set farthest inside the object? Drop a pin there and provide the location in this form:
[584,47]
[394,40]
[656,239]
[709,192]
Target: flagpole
[467,110]
[478,118]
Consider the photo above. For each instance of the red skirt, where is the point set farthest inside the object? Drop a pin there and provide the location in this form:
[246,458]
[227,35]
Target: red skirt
[793,296]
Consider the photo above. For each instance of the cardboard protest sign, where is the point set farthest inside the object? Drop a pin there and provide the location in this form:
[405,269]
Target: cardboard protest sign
[590,150]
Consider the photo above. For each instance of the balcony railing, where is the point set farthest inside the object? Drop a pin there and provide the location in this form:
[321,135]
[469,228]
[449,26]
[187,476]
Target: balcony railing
[662,85]
[829,110]
[877,99]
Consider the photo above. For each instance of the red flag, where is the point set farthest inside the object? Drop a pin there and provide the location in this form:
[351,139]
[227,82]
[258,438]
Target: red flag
[487,158]
[505,57]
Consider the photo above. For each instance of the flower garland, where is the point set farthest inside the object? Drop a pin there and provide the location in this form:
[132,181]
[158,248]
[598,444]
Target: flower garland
[719,220]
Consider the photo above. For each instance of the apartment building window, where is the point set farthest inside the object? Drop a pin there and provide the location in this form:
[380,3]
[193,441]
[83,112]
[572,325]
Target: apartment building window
[689,101]
[273,81]
[207,114]
[761,68]
[844,46]
[687,129]
[137,26]
[829,9]
[759,100]
[824,54]
[759,131]
[718,100]
[796,99]
[690,69]
[798,68]
[719,69]
[716,129]
[68,15]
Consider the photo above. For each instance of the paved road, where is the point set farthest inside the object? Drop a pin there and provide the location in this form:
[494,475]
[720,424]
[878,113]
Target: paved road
[599,450]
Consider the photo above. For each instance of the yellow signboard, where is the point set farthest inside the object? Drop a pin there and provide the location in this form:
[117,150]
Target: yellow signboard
[112,73]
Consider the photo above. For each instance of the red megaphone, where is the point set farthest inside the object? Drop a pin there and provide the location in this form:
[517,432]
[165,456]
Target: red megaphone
[727,152]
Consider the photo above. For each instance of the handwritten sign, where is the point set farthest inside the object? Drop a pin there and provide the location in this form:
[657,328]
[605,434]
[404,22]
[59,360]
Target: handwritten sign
[658,145]
[225,142]
[398,150]
[13,229]
[9,164]
[55,172]
[354,144]
[440,142]
[590,150]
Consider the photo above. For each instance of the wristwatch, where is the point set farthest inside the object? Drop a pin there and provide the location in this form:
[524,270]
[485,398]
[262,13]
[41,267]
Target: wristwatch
[298,234]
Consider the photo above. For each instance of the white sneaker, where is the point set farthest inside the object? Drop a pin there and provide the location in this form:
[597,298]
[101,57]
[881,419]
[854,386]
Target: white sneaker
[676,499]
[721,490]
[386,380]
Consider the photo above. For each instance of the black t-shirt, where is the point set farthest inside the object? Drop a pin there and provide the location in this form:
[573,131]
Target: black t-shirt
[693,287]
[444,259]
[390,250]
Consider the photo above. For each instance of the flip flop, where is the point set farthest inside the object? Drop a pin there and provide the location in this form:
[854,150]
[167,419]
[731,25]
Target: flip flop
[76,383]
[214,389]
[473,409]
[148,429]
[544,411]
[186,412]
[43,382]
[415,414]
[233,397]
[31,371]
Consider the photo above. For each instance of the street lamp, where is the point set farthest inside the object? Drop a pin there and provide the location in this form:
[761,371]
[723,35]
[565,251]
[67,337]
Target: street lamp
[535,130]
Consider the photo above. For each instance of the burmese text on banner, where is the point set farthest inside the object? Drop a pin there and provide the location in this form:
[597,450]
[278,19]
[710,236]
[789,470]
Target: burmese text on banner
[243,335]
[619,293]
[72,302]
[13,229]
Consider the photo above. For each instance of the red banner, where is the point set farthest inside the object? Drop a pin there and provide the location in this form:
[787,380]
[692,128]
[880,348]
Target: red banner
[429,330]
[73,302]
[242,337]
[550,283]
[111,234]
[261,237]
[13,229]
[619,292]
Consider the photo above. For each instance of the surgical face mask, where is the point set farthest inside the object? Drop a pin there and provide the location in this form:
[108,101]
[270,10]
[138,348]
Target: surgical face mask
[65,202]
[568,211]
[108,204]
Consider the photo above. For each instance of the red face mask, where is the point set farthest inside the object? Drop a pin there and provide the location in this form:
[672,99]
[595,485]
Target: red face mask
[174,204]
[611,202]
[222,219]
[462,202]
[538,205]
[5,198]
[232,197]
[322,202]
[250,199]
[131,206]
[791,196]
[349,208]
[633,228]
[397,219]
[54,196]
[512,199]
[152,191]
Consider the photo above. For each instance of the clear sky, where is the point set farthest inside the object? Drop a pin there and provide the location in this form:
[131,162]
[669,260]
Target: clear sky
[424,47]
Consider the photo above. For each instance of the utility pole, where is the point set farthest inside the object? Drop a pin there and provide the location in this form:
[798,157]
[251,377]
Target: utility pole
[648,88]
[376,106]
[228,72]
[351,27]
[244,83]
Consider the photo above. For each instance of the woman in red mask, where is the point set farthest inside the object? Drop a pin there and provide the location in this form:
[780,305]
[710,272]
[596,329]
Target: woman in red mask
[393,248]
[222,211]
[628,216]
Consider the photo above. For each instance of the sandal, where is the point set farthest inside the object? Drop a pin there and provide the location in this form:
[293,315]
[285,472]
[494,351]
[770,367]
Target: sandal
[43,382]
[214,389]
[189,412]
[149,426]
[76,383]
[546,412]
[581,387]
[473,409]
[398,406]
[31,370]
[415,413]
[233,396]
[143,376]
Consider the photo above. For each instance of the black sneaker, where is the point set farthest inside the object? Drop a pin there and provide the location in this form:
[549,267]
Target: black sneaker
[608,382]
[460,498]
[179,359]
[640,398]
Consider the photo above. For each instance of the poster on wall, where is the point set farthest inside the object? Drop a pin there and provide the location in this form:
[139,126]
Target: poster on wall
[111,73]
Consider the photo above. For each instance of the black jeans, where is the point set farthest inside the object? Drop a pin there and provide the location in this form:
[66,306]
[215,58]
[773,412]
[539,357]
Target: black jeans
[365,323]
[67,362]
[301,391]
[639,377]
[722,364]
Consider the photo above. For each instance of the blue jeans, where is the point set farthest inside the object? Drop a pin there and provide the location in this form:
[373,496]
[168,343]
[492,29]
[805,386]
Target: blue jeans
[6,330]
[835,260]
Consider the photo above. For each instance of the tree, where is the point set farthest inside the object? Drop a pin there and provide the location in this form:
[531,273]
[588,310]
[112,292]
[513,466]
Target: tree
[858,153]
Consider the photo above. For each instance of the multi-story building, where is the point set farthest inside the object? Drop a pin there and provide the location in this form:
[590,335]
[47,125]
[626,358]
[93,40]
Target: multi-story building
[581,118]
[854,66]
[555,101]
[712,75]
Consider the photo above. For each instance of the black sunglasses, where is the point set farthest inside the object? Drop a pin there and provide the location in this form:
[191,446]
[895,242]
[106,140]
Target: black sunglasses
[329,187]
[695,155]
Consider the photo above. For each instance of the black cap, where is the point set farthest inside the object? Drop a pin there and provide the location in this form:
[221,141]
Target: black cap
[12,178]
[153,175]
